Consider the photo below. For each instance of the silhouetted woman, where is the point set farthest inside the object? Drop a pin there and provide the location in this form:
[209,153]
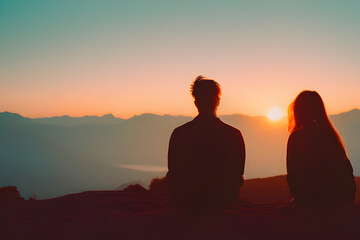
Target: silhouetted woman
[320,175]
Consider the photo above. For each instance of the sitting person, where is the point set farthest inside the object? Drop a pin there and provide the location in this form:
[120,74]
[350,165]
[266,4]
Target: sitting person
[206,157]
[320,175]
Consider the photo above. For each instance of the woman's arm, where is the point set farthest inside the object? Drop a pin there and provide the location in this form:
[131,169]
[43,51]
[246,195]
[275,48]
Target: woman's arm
[295,161]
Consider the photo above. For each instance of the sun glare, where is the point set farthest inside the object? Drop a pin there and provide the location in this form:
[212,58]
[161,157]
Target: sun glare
[275,113]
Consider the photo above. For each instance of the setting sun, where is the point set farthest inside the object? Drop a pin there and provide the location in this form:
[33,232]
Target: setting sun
[275,113]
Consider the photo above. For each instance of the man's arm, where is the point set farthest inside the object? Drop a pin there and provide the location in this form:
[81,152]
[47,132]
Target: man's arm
[241,160]
[170,176]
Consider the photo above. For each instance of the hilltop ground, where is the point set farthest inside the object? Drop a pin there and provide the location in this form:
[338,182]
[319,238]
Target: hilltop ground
[262,212]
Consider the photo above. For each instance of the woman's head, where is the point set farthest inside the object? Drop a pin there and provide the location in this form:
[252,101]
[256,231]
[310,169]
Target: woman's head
[306,109]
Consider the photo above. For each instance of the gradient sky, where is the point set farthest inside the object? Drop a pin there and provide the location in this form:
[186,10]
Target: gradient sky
[129,57]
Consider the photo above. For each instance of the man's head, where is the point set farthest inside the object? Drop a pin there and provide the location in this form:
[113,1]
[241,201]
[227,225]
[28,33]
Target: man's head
[206,93]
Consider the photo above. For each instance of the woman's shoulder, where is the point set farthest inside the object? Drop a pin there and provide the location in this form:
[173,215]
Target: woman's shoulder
[309,131]
[314,135]
[295,138]
[299,133]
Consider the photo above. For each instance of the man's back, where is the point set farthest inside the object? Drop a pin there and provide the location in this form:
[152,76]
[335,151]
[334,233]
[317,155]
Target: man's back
[206,162]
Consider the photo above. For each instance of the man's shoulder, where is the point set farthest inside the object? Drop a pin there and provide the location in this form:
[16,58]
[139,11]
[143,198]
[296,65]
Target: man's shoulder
[229,128]
[185,127]
[190,126]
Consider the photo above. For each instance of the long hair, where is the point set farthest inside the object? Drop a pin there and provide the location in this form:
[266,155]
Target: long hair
[308,109]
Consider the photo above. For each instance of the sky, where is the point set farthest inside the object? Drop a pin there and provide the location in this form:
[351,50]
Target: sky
[129,57]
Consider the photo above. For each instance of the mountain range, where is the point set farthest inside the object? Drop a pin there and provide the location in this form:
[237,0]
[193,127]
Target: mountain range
[49,157]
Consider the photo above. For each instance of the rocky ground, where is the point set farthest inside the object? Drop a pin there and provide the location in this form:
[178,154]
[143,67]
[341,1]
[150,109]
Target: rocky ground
[262,212]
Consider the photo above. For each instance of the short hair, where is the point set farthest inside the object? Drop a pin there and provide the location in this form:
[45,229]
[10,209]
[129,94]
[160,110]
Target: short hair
[205,88]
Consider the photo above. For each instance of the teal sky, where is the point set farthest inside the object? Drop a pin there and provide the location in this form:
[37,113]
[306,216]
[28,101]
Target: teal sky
[135,56]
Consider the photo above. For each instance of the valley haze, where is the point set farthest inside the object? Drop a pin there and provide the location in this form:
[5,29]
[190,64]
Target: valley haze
[50,157]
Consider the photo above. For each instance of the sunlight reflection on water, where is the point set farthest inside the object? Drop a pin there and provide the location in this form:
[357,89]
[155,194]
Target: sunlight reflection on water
[144,168]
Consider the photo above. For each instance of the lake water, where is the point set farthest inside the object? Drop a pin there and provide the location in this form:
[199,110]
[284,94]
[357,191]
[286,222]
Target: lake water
[144,168]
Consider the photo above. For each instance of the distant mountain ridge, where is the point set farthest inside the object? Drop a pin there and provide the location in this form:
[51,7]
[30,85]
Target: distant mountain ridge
[64,120]
[67,154]
[353,114]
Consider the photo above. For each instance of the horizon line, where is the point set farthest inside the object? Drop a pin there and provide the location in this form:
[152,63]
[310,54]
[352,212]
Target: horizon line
[145,113]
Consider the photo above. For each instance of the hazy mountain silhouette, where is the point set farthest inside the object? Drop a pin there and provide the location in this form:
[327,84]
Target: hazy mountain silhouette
[65,120]
[348,125]
[7,118]
[53,156]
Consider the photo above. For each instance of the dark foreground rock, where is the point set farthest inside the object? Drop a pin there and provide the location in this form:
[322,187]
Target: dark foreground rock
[135,213]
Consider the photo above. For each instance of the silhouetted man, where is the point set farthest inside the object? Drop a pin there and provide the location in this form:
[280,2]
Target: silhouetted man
[206,156]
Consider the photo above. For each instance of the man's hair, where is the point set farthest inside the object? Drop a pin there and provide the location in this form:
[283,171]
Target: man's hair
[205,89]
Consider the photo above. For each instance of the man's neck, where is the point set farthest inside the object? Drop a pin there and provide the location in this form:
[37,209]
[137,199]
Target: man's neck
[207,114]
